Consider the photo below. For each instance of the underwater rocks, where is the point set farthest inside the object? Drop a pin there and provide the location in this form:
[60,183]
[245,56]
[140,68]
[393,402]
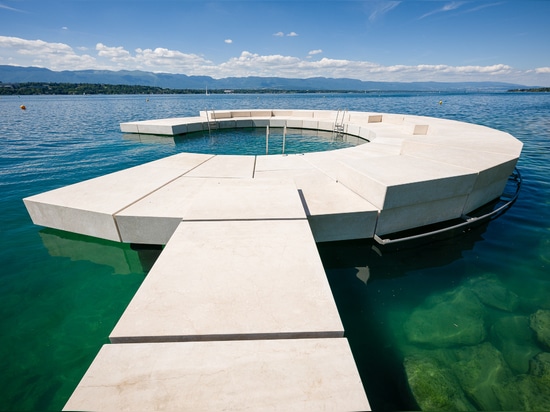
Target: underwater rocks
[513,336]
[476,378]
[528,392]
[491,292]
[447,319]
[540,368]
[540,323]
[434,387]
[474,348]
[480,369]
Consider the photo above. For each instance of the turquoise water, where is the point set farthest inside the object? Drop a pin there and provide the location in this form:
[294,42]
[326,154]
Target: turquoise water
[253,141]
[61,293]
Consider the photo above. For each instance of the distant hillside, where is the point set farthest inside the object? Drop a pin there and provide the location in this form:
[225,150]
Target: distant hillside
[16,74]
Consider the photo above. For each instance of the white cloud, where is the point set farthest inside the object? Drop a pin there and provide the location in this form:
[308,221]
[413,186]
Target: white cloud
[64,28]
[483,6]
[59,56]
[172,61]
[4,7]
[447,7]
[56,56]
[281,34]
[382,8]
[228,41]
[113,53]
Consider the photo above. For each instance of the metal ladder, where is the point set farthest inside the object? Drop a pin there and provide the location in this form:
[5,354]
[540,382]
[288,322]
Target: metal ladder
[212,124]
[339,124]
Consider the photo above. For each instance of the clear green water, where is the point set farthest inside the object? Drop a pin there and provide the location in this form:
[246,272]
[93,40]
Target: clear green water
[61,294]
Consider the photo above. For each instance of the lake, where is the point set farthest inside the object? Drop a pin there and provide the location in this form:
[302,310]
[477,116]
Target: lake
[458,323]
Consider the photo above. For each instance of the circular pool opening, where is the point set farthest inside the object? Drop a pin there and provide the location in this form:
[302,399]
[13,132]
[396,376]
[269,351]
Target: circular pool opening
[258,141]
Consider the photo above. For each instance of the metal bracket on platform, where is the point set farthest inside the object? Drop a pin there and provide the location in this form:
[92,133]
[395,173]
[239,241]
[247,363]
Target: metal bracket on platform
[514,178]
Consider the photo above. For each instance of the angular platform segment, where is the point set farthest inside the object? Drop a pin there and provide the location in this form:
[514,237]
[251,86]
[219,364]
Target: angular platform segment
[88,207]
[167,127]
[228,280]
[275,375]
[334,212]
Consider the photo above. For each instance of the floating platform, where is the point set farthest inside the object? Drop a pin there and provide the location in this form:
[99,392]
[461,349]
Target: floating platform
[237,312]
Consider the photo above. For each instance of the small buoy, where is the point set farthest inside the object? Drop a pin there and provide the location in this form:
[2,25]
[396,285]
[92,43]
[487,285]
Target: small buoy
[441,102]
[23,107]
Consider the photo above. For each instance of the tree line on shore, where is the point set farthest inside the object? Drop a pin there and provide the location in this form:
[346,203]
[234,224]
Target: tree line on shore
[533,90]
[40,88]
[33,88]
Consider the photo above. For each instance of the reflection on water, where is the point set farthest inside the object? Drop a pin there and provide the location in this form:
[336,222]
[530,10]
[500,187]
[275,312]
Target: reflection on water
[149,138]
[122,259]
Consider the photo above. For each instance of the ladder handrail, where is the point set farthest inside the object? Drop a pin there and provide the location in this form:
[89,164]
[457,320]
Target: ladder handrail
[339,127]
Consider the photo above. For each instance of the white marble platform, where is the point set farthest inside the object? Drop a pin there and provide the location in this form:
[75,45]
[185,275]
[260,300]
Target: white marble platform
[275,375]
[415,171]
[89,207]
[227,280]
[237,312]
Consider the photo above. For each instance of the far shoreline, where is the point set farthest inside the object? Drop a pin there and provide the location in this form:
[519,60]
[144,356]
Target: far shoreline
[79,89]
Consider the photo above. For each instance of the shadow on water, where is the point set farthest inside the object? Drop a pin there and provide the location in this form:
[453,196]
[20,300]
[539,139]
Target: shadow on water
[122,258]
[369,281]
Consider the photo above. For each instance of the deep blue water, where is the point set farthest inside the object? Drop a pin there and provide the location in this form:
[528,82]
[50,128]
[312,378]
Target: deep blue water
[61,294]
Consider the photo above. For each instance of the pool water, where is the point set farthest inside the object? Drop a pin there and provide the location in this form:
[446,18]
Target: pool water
[455,324]
[254,141]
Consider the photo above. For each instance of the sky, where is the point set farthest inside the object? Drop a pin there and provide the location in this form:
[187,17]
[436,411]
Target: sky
[371,40]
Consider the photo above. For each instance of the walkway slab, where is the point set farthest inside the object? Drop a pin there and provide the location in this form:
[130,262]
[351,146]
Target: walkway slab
[227,280]
[227,166]
[276,375]
[154,218]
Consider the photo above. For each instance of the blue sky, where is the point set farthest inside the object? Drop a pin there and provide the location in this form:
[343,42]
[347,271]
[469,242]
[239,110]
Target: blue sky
[408,40]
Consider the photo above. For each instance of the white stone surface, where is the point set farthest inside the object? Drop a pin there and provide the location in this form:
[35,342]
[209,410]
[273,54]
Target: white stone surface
[419,214]
[225,166]
[154,218]
[172,126]
[335,212]
[410,160]
[225,280]
[275,375]
[390,182]
[88,207]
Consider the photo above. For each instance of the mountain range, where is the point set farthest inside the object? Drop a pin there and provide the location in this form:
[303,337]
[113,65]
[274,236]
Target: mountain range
[17,74]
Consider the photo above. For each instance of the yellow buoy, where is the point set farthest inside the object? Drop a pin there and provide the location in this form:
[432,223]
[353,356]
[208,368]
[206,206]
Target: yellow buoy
[23,107]
[441,102]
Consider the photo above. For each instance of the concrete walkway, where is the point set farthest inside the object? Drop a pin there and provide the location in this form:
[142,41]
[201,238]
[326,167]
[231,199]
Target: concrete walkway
[237,313]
